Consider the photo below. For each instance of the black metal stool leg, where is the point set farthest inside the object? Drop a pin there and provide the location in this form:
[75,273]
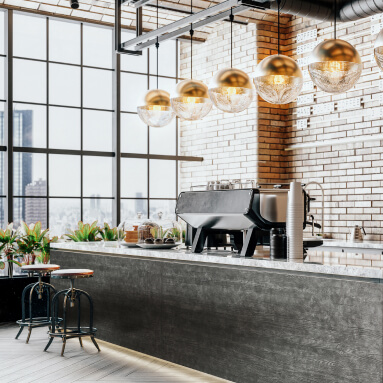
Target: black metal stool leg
[91,319]
[20,331]
[95,343]
[54,317]
[64,320]
[49,343]
[38,284]
[80,340]
[23,308]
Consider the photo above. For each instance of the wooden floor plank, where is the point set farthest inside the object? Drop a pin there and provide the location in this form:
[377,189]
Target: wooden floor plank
[28,363]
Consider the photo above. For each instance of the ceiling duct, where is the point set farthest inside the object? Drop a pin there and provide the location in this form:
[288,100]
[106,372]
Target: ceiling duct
[324,10]
[359,9]
[305,8]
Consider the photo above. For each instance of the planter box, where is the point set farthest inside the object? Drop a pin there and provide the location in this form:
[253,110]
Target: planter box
[10,302]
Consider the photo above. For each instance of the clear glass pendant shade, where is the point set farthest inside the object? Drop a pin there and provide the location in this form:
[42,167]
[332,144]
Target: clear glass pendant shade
[278,79]
[156,110]
[335,66]
[156,116]
[190,100]
[378,50]
[231,90]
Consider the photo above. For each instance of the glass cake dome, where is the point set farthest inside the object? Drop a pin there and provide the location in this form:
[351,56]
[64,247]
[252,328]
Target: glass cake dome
[127,231]
[149,232]
[171,230]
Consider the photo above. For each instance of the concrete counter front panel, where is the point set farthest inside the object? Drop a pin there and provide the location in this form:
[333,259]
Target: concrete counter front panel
[244,324]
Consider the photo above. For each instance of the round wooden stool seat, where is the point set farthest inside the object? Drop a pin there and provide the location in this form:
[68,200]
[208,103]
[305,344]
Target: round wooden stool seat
[39,268]
[72,273]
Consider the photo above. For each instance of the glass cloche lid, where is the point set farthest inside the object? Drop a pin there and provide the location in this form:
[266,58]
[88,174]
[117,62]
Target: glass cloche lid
[149,232]
[128,230]
[171,230]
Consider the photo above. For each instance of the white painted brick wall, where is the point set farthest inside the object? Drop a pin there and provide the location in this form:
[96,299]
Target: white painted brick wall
[227,142]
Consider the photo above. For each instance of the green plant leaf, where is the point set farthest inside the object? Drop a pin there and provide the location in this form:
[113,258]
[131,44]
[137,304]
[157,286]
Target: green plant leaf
[25,226]
[42,235]
[37,228]
[79,234]
[15,262]
[72,237]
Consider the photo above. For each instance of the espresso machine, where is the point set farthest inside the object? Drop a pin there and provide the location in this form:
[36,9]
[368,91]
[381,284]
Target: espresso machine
[234,217]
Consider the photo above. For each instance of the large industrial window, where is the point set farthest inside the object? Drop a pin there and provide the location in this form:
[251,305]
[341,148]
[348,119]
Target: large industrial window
[75,147]
[3,80]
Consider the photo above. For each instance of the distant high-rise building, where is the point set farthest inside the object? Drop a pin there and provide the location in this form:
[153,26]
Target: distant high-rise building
[139,205]
[22,162]
[36,208]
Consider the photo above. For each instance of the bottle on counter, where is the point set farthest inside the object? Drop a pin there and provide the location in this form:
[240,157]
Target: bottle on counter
[278,244]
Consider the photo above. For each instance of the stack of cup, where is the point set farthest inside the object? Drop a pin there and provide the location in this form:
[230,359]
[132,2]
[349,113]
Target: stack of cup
[294,222]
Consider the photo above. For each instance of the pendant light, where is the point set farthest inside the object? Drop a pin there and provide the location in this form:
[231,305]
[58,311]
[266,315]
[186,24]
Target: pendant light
[378,50]
[156,110]
[278,78]
[190,100]
[231,90]
[335,65]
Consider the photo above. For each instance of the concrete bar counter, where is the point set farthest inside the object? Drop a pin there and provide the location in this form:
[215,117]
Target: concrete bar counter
[245,320]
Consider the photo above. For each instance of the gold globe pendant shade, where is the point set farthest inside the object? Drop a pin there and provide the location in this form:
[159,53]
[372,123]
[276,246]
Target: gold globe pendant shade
[378,50]
[190,100]
[156,110]
[335,66]
[278,79]
[231,90]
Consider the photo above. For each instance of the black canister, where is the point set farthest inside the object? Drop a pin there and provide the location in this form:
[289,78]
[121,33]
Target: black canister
[278,244]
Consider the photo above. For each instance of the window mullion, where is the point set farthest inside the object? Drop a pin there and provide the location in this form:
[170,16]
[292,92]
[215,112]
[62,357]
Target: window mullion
[9,115]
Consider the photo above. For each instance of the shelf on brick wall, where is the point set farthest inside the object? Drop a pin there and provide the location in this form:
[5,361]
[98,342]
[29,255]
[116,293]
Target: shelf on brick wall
[341,141]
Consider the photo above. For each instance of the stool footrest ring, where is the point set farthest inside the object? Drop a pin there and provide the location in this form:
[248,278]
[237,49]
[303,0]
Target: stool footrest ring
[73,332]
[37,321]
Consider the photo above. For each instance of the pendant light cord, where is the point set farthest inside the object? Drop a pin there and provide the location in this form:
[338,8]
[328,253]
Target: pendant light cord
[157,45]
[231,37]
[191,42]
[335,10]
[279,3]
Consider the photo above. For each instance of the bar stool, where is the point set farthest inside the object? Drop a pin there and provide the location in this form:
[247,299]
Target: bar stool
[73,295]
[39,287]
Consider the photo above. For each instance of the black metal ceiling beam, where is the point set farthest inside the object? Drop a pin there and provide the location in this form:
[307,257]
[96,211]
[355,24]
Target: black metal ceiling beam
[179,27]
[181,31]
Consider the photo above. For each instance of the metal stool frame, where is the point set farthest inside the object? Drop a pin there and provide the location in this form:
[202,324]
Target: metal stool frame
[39,287]
[65,332]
